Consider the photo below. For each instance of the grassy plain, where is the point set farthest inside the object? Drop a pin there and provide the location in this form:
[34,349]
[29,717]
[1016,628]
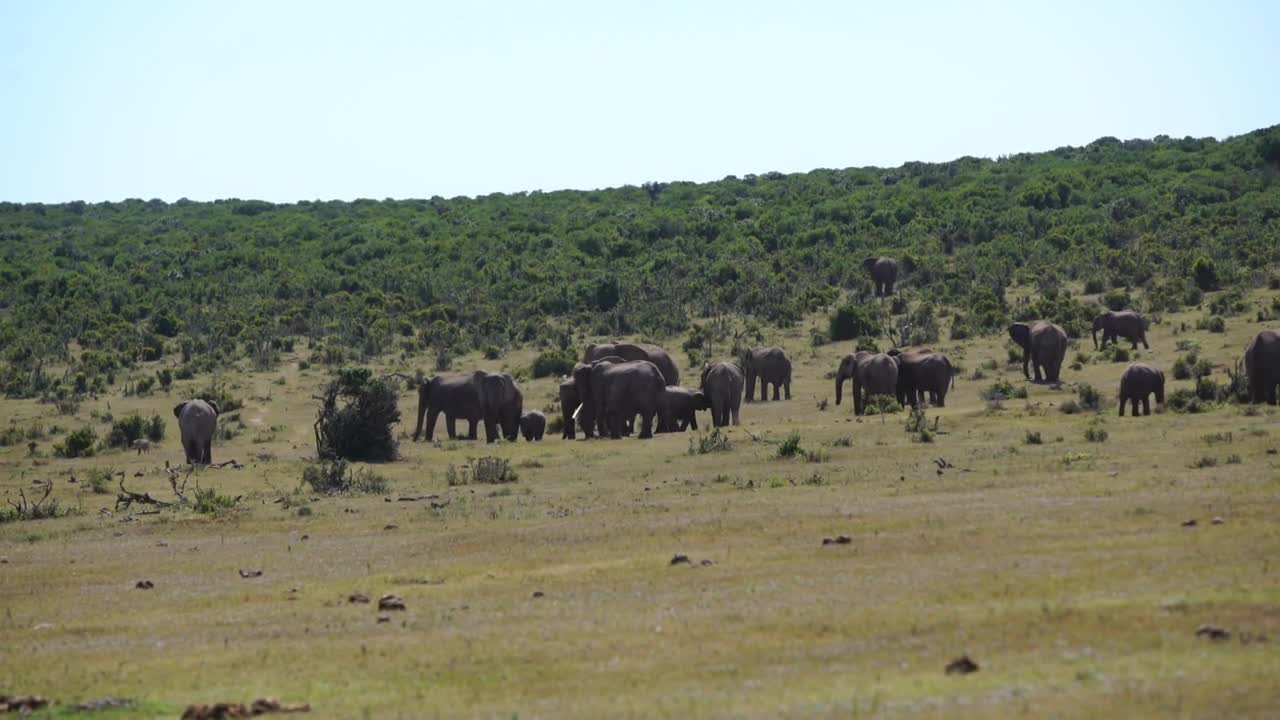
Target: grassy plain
[1062,568]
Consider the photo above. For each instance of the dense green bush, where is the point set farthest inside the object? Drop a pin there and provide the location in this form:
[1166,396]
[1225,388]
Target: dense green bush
[78,443]
[338,478]
[1205,272]
[127,429]
[553,362]
[357,413]
[854,321]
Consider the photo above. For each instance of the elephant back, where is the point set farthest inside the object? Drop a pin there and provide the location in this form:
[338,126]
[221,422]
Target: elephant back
[634,352]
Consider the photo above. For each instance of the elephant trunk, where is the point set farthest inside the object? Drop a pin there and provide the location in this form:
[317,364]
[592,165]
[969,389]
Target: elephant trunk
[839,386]
[1095,336]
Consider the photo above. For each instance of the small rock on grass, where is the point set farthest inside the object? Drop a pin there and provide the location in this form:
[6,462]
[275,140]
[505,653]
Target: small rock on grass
[837,540]
[1190,523]
[391,526]
[390,602]
[679,559]
[1213,632]
[358,598]
[384,619]
[1218,521]
[144,585]
[261,706]
[250,573]
[962,665]
[538,593]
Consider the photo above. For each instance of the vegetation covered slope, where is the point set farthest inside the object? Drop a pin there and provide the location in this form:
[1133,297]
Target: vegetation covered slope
[93,287]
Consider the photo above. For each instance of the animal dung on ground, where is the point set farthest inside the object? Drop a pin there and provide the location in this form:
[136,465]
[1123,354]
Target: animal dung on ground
[391,527]
[708,562]
[538,593]
[837,540]
[1213,632]
[261,706]
[390,602]
[250,573]
[144,585]
[1190,523]
[384,619]
[357,598]
[1218,521]
[679,559]
[106,703]
[962,665]
[24,704]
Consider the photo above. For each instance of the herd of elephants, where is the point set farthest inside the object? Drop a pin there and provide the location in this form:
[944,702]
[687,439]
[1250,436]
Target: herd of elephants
[614,383]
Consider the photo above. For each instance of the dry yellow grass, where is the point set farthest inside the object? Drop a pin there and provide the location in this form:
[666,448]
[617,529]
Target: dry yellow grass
[1062,568]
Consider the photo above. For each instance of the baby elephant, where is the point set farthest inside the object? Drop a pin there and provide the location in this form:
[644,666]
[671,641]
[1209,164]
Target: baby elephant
[141,445]
[532,425]
[1138,382]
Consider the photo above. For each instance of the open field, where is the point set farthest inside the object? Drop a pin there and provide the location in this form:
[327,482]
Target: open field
[1062,568]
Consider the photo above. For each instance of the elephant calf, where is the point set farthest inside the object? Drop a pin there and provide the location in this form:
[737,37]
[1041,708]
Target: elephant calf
[870,374]
[532,425]
[677,409]
[1138,382]
[722,385]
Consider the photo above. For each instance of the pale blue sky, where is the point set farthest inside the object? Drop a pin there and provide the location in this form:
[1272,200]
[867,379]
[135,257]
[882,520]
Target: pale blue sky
[298,100]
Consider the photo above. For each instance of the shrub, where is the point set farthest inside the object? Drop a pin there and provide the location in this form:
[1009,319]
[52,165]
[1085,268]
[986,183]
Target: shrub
[208,502]
[716,441]
[1002,389]
[1184,400]
[790,446]
[1206,461]
[489,470]
[1093,286]
[337,478]
[1070,407]
[1089,396]
[851,321]
[155,429]
[219,393]
[817,456]
[1230,302]
[1205,272]
[361,428]
[492,352]
[1117,299]
[42,509]
[844,441]
[99,480]
[1118,354]
[1096,432]
[881,405]
[1210,391]
[1213,323]
[1032,438]
[553,362]
[127,429]
[79,443]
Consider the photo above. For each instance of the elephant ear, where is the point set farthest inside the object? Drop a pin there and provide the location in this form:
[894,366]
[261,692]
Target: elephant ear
[213,405]
[1020,333]
[177,409]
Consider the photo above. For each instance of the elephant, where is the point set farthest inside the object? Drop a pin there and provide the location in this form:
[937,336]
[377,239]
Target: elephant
[1044,346]
[678,408]
[479,397]
[629,351]
[722,385]
[772,366]
[1262,364]
[532,425]
[1127,324]
[570,402]
[616,392]
[503,405]
[920,372]
[1138,382]
[870,373]
[884,273]
[197,421]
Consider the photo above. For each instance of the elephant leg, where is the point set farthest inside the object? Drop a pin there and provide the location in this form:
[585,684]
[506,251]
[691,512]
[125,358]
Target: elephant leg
[733,409]
[208,452]
[450,424]
[1146,404]
[1123,400]
[567,432]
[776,391]
[787,387]
[1144,341]
[1026,359]
[473,425]
[490,430]
[617,425]
[646,426]
[693,421]
[857,401]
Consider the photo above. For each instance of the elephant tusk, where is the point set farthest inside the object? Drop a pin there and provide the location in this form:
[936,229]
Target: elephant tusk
[576,411]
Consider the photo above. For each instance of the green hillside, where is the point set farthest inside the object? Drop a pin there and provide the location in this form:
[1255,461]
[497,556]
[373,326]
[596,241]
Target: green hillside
[95,287]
